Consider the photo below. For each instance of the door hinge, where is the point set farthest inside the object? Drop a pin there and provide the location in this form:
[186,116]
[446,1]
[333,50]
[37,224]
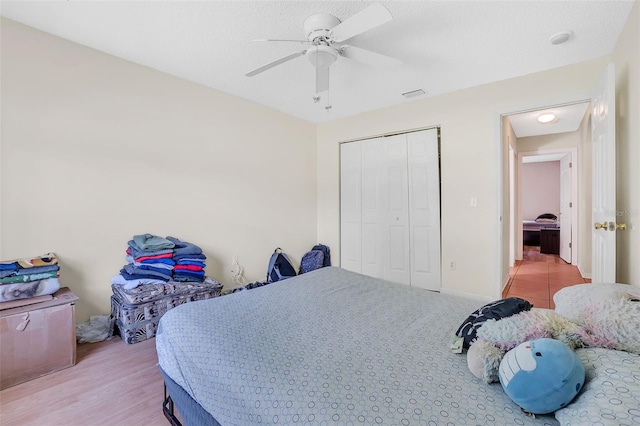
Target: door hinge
[569,245]
[570,165]
[570,204]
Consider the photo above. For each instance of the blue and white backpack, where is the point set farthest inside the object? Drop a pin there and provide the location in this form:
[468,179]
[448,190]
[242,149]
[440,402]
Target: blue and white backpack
[280,267]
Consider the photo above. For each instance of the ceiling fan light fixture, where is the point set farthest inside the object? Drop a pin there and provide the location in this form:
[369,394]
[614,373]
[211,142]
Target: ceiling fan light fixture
[322,56]
[546,117]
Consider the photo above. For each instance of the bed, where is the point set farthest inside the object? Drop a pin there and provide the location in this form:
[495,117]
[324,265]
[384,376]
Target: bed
[330,346]
[531,228]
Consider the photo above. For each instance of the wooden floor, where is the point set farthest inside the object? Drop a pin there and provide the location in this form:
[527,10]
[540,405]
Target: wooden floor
[539,276]
[112,383]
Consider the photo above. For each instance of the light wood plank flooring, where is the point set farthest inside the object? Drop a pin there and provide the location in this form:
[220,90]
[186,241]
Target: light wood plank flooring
[539,276]
[112,383]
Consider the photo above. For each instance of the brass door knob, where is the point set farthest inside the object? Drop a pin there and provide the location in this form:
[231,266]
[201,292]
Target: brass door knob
[603,225]
[621,226]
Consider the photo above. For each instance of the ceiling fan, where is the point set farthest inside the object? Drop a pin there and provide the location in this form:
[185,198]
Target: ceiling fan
[325,35]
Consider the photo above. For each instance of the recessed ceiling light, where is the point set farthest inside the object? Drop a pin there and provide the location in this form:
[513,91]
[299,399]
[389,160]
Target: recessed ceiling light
[413,93]
[560,37]
[547,117]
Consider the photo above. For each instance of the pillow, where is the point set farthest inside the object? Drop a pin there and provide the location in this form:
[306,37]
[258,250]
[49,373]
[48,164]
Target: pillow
[547,217]
[571,302]
[608,313]
[611,391]
[546,221]
[494,310]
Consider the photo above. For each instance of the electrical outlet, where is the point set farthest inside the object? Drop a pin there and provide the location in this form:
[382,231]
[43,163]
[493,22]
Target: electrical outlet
[452,264]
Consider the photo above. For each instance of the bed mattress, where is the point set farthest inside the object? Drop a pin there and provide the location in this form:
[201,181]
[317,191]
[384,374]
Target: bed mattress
[139,321]
[333,347]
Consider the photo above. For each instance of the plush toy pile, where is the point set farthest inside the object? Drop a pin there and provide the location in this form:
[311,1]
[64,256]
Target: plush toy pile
[586,315]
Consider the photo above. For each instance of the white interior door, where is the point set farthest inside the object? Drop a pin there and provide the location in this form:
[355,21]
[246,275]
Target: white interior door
[372,207]
[351,206]
[566,223]
[424,209]
[603,135]
[395,234]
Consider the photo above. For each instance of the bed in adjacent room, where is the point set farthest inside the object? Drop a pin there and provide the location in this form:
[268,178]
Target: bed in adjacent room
[330,346]
[531,228]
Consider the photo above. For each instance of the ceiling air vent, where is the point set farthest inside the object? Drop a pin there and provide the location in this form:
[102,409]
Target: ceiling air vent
[413,93]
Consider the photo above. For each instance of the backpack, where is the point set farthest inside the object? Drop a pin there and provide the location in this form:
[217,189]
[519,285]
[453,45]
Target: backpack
[327,255]
[317,257]
[311,261]
[280,267]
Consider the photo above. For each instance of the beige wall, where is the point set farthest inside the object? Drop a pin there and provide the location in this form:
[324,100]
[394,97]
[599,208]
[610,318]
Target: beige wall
[626,57]
[96,149]
[540,189]
[549,142]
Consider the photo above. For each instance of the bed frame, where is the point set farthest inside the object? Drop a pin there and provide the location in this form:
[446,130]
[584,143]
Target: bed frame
[192,413]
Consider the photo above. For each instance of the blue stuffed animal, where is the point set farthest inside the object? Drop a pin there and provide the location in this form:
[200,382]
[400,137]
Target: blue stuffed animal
[542,375]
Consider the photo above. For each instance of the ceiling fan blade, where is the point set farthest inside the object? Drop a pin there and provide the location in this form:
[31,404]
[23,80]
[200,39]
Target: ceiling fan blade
[369,18]
[368,57]
[274,63]
[260,40]
[322,79]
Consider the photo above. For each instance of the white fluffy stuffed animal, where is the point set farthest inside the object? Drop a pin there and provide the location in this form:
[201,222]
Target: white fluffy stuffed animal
[586,315]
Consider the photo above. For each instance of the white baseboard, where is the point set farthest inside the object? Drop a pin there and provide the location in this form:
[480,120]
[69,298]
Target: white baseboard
[505,281]
[479,297]
[584,275]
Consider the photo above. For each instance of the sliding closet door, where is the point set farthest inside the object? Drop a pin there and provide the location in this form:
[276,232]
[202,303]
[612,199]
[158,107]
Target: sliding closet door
[350,207]
[372,207]
[395,210]
[424,209]
[390,208]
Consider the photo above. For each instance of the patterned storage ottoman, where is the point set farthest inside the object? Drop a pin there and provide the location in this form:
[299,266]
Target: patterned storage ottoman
[136,312]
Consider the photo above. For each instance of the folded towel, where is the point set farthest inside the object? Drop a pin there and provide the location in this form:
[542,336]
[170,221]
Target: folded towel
[29,277]
[26,290]
[29,262]
[37,270]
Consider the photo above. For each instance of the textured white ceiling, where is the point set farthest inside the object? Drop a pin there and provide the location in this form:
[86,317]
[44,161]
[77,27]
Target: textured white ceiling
[444,45]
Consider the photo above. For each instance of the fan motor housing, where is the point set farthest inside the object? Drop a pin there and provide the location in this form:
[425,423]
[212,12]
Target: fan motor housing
[319,25]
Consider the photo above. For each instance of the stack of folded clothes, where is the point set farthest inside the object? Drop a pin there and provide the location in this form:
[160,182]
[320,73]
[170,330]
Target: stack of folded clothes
[157,260]
[149,260]
[29,277]
[160,274]
[189,261]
